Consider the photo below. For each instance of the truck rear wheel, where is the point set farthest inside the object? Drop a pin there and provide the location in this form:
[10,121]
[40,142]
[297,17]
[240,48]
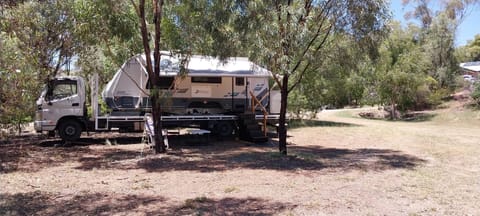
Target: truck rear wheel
[223,128]
[70,130]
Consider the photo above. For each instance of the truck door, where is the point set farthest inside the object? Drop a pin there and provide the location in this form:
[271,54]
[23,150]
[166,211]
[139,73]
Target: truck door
[62,99]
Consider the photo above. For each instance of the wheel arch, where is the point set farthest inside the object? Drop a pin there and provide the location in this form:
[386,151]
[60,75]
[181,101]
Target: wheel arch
[71,118]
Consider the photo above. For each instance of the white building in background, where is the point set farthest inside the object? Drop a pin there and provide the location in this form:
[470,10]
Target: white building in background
[472,68]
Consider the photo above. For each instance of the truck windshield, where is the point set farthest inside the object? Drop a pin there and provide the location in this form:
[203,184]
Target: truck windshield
[62,89]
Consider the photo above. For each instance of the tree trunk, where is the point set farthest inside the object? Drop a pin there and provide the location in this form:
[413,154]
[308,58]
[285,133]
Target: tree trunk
[157,98]
[157,117]
[153,70]
[282,129]
[393,115]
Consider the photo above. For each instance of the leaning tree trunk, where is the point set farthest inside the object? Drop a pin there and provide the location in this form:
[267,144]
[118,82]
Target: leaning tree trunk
[282,129]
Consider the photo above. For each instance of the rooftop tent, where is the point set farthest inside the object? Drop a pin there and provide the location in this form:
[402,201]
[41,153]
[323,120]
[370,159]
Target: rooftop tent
[128,86]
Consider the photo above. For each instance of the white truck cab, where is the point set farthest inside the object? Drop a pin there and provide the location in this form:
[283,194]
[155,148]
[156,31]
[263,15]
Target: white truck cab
[61,107]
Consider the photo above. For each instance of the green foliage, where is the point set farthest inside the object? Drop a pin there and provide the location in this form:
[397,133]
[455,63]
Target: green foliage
[16,99]
[291,39]
[109,32]
[43,34]
[476,94]
[19,88]
[439,43]
[417,66]
[206,27]
[401,70]
[39,38]
[469,52]
[342,77]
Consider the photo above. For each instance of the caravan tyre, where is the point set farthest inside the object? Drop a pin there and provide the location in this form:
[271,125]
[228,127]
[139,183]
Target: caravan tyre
[70,130]
[224,128]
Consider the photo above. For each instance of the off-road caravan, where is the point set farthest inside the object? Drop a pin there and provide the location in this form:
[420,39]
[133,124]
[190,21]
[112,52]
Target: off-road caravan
[211,86]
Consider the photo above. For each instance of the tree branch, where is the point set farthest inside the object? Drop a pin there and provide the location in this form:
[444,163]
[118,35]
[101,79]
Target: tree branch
[312,41]
[295,83]
[136,8]
[322,43]
[157,19]
[146,46]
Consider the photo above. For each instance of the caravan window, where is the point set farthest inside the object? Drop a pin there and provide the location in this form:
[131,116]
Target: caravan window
[216,80]
[163,83]
[239,81]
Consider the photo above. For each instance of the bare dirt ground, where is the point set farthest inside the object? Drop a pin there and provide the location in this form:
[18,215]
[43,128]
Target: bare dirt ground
[338,164]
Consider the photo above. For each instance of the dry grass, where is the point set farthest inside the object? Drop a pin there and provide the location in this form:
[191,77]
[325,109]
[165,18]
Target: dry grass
[339,164]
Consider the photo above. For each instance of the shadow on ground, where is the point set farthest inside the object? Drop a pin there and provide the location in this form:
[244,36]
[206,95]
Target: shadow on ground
[216,156]
[300,123]
[418,117]
[230,206]
[31,154]
[42,203]
[408,117]
[312,158]
[116,140]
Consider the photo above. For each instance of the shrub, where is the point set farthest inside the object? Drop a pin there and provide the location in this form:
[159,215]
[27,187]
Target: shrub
[476,94]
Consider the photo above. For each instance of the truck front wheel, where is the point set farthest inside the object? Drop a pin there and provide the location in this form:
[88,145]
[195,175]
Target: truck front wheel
[70,130]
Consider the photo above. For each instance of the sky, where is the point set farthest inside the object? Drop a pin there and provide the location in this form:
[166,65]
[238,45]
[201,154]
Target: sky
[466,31]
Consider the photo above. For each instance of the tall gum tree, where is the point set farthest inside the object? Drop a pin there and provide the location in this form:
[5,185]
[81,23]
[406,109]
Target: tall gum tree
[438,34]
[200,27]
[288,37]
[153,65]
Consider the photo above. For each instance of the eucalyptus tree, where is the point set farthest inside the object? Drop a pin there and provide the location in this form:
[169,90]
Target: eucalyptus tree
[36,41]
[438,34]
[290,37]
[186,28]
[44,33]
[469,52]
[439,45]
[402,68]
[18,86]
[109,34]
[340,79]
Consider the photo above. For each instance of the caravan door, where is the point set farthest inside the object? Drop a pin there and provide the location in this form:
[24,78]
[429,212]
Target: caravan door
[259,87]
